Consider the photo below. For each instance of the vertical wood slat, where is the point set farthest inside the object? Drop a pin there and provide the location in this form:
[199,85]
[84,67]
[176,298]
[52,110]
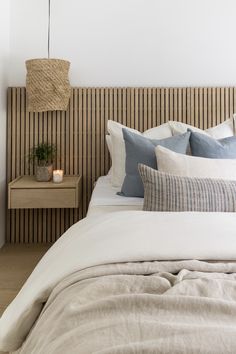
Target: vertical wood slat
[79,134]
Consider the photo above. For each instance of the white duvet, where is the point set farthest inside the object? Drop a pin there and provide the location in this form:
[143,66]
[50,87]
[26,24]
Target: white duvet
[119,237]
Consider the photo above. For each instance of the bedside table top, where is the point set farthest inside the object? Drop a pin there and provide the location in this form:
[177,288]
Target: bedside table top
[29,182]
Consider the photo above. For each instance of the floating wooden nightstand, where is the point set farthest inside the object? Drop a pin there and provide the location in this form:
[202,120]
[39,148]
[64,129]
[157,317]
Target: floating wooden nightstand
[26,193]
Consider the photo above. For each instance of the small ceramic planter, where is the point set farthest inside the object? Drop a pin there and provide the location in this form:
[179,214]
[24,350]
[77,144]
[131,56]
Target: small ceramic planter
[43,173]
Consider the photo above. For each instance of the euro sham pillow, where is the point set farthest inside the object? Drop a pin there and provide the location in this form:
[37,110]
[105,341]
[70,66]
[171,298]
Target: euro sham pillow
[191,166]
[109,146]
[140,149]
[167,192]
[118,146]
[206,146]
[220,131]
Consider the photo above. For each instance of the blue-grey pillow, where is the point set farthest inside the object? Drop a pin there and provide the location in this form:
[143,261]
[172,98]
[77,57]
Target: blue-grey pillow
[140,149]
[205,146]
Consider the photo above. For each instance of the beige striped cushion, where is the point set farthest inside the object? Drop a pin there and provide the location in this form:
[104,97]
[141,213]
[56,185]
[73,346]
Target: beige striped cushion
[166,192]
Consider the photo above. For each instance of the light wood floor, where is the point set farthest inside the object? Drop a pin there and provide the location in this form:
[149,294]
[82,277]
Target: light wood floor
[16,264]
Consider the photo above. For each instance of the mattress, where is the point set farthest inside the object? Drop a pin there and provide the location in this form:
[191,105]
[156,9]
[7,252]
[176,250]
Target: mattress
[105,199]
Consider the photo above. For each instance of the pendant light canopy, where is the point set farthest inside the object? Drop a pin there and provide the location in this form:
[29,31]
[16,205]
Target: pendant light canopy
[47,82]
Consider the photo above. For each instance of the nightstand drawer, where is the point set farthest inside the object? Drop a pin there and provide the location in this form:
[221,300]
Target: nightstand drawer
[42,198]
[26,193]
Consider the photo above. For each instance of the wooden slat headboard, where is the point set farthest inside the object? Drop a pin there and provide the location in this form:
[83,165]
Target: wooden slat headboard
[79,135]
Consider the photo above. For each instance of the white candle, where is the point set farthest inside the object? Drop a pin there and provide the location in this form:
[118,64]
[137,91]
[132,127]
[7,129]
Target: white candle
[57,176]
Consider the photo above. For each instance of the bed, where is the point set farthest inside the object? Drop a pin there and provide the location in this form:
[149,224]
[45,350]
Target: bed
[125,280]
[99,288]
[104,199]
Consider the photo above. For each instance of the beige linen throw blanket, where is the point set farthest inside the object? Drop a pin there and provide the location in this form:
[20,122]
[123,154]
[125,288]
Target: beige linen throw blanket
[118,284]
[151,307]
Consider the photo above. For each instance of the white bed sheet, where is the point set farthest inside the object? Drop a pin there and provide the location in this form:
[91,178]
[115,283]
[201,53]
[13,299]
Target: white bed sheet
[105,199]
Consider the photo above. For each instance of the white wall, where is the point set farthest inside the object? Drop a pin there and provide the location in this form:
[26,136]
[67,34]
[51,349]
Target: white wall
[28,35]
[4,58]
[130,42]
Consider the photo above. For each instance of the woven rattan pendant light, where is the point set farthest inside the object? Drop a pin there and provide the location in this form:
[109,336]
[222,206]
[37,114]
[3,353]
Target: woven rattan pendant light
[47,82]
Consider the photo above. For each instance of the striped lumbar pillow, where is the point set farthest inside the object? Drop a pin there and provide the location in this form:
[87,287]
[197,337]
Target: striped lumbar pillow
[166,192]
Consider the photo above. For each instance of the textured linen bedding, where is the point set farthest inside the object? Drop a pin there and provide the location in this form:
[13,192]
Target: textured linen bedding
[131,282]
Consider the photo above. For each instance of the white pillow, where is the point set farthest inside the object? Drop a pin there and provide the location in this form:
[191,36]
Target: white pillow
[220,131]
[181,128]
[118,146]
[109,146]
[161,132]
[191,166]
[223,130]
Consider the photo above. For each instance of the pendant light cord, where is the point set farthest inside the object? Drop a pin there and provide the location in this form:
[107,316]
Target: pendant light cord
[49,26]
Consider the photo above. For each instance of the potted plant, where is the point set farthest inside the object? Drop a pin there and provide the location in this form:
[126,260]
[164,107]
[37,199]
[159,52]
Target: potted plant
[42,156]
